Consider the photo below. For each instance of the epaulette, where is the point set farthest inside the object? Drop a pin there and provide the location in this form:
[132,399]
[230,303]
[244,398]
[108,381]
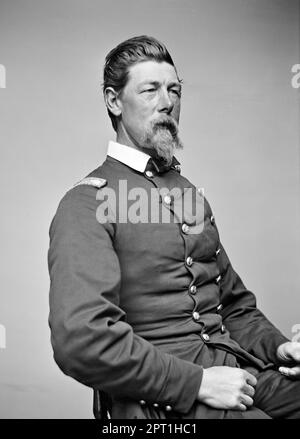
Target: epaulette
[92,181]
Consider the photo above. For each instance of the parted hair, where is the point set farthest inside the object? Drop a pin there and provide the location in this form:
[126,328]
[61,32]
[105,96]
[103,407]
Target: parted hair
[126,54]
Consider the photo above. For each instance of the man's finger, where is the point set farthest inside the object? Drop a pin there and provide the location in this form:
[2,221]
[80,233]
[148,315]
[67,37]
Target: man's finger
[290,352]
[241,407]
[290,371]
[245,399]
[249,390]
[250,379]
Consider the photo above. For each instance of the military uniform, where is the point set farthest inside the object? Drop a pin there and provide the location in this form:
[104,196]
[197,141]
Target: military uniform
[139,309]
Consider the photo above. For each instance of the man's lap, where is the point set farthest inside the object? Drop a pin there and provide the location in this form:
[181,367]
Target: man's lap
[277,395]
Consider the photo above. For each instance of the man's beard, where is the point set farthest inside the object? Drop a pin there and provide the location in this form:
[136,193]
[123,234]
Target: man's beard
[161,139]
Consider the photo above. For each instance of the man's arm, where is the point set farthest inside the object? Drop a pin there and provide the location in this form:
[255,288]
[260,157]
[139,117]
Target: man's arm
[246,324]
[91,340]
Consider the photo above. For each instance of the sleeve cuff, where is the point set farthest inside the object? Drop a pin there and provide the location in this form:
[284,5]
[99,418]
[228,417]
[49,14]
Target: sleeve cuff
[182,385]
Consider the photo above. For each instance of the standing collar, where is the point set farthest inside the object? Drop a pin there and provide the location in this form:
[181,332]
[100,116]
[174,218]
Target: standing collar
[133,157]
[129,156]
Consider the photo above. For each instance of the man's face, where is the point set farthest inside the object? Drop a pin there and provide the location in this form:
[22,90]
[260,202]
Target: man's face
[150,108]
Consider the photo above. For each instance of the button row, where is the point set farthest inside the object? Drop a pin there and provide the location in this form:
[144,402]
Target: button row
[219,307]
[218,279]
[167,199]
[185,228]
[196,316]
[168,408]
[193,289]
[189,261]
[205,337]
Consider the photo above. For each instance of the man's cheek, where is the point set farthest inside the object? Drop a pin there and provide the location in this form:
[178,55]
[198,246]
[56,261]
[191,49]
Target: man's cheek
[176,112]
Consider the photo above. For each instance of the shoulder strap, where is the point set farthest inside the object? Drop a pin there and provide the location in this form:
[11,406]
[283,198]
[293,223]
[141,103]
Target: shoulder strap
[92,181]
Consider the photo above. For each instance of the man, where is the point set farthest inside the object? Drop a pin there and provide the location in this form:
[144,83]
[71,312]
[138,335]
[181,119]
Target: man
[148,311]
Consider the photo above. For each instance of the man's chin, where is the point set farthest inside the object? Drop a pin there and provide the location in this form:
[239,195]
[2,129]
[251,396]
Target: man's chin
[162,145]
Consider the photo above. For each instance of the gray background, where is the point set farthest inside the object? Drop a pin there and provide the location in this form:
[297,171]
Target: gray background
[239,124]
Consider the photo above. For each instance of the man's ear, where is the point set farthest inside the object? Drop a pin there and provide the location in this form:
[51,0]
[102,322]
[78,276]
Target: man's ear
[112,101]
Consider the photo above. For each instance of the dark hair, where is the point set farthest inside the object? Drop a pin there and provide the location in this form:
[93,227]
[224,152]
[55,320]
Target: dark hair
[126,54]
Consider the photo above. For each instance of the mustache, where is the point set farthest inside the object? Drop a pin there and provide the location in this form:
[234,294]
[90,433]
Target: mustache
[166,122]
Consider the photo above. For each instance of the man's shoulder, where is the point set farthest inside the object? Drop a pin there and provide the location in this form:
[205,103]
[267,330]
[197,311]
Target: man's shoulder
[80,198]
[84,187]
[107,174]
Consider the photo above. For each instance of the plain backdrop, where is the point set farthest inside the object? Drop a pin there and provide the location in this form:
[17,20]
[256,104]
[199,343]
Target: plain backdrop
[239,124]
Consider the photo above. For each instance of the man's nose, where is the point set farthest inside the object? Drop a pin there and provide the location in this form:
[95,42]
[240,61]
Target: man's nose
[165,103]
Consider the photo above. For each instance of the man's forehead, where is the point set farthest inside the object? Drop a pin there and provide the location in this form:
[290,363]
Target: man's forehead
[152,71]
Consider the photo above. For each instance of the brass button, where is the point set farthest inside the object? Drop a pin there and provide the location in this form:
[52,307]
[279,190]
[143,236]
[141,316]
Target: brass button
[196,316]
[193,289]
[218,279]
[223,329]
[142,402]
[167,199]
[177,168]
[168,408]
[185,228]
[189,261]
[212,219]
[155,405]
[219,307]
[149,174]
[218,251]
[201,191]
[205,337]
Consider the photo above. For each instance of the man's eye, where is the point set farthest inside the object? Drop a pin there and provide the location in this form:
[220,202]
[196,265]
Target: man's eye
[177,92]
[149,90]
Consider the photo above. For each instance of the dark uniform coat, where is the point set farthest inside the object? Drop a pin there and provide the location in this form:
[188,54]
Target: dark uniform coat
[139,309]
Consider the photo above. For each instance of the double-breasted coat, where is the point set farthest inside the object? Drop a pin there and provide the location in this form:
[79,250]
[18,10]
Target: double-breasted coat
[138,309]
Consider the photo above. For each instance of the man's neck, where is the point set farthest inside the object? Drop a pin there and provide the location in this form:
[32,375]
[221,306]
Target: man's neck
[124,138]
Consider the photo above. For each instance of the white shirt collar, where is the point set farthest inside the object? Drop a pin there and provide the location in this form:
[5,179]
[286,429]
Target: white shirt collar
[129,156]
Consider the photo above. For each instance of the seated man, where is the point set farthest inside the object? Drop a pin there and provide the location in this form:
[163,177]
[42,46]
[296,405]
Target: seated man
[144,302]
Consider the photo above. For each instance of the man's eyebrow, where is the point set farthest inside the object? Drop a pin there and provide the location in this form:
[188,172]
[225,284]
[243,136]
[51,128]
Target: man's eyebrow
[175,83]
[157,83]
[149,81]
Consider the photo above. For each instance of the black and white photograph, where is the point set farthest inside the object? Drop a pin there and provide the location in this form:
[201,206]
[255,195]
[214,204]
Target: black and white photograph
[150,226]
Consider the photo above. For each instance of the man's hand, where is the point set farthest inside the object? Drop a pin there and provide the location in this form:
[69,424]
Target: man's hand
[226,388]
[289,354]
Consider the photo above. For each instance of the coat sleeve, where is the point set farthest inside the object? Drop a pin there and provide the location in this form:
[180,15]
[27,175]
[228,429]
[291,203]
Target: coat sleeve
[245,322]
[90,337]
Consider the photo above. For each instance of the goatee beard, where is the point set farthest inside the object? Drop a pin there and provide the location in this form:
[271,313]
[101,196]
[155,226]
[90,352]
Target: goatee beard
[161,139]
